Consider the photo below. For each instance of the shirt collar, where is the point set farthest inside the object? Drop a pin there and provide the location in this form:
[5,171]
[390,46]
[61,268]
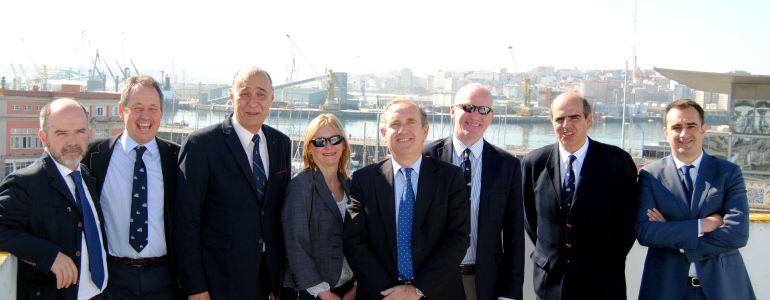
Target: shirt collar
[244,134]
[415,166]
[128,144]
[695,163]
[580,154]
[459,147]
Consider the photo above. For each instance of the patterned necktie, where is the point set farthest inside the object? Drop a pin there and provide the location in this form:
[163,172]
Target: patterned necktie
[568,189]
[138,219]
[405,219]
[91,231]
[687,182]
[467,171]
[257,169]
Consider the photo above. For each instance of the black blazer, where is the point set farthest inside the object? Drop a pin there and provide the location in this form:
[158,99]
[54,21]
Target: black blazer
[440,234]
[589,245]
[38,219]
[499,262]
[220,224]
[97,159]
[312,227]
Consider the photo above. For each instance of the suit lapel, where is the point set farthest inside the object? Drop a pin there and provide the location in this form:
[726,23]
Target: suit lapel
[57,181]
[100,160]
[425,190]
[273,156]
[385,195]
[236,149]
[553,170]
[445,151]
[587,171]
[488,160]
[706,171]
[670,179]
[326,195]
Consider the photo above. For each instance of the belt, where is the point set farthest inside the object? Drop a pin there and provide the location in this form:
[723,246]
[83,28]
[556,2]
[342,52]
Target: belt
[468,269]
[693,281]
[139,262]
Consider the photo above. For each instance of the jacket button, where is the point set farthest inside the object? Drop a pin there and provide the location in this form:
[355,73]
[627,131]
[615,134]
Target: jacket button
[259,241]
[262,212]
[77,253]
[568,245]
[80,224]
[569,226]
[37,293]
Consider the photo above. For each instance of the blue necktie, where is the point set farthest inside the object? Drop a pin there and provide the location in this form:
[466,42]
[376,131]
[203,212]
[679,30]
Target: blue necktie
[138,219]
[405,219]
[687,182]
[257,169]
[467,171]
[568,189]
[93,240]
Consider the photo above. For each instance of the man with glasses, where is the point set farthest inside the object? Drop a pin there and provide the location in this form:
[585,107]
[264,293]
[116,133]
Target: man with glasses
[136,174]
[50,216]
[231,184]
[694,216]
[493,267]
[580,207]
[408,227]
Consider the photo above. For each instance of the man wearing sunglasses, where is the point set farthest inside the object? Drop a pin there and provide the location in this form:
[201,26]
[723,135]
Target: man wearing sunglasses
[231,183]
[493,268]
[580,207]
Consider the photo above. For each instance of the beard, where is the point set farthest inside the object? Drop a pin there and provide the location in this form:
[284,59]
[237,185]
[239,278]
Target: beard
[72,162]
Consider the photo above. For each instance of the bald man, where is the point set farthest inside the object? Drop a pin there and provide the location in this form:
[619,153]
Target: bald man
[580,208]
[493,268]
[230,187]
[48,216]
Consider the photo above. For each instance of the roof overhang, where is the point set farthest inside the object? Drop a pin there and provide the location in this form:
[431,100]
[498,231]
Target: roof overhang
[711,82]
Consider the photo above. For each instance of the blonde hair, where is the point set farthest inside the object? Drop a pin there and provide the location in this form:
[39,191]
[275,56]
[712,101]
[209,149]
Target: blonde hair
[312,128]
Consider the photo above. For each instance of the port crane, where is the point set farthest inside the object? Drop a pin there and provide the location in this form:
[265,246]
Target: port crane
[526,109]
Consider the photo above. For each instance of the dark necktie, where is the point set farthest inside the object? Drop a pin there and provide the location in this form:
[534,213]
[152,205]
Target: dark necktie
[405,219]
[687,182]
[568,189]
[467,170]
[257,169]
[91,231]
[138,220]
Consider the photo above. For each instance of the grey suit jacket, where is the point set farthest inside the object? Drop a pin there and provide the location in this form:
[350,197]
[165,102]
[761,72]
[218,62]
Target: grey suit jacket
[312,227]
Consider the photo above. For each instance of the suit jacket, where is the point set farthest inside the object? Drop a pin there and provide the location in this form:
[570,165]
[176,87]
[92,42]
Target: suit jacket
[97,159]
[221,224]
[440,233]
[587,247]
[499,262]
[312,228]
[38,219]
[719,189]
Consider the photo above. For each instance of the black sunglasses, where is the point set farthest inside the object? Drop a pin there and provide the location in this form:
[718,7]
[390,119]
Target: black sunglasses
[320,142]
[469,108]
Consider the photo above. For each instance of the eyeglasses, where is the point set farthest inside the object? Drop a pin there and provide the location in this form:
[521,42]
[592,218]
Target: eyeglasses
[469,108]
[321,142]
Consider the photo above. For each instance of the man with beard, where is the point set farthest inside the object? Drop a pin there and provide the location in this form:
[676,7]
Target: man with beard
[48,216]
[137,209]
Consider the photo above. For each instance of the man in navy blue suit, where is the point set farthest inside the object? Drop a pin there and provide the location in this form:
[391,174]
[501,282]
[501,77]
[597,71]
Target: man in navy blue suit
[693,215]
[230,187]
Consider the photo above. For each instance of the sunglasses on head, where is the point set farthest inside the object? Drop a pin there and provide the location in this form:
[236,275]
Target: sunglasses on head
[320,142]
[469,108]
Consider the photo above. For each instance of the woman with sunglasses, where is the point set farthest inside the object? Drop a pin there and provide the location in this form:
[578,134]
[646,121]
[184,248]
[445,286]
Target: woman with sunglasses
[313,213]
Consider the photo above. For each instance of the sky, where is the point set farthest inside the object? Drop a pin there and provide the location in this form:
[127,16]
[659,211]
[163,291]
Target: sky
[208,41]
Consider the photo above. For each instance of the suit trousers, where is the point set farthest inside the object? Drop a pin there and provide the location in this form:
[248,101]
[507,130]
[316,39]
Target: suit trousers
[695,293]
[154,282]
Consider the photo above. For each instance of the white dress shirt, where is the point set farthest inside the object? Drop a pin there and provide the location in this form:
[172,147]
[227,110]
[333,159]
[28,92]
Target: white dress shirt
[399,182]
[577,165]
[86,286]
[694,175]
[477,150]
[116,200]
[248,145]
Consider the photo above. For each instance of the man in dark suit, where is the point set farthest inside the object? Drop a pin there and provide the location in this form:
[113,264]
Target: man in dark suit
[402,244]
[694,216]
[580,206]
[137,208]
[231,182]
[50,216]
[493,267]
